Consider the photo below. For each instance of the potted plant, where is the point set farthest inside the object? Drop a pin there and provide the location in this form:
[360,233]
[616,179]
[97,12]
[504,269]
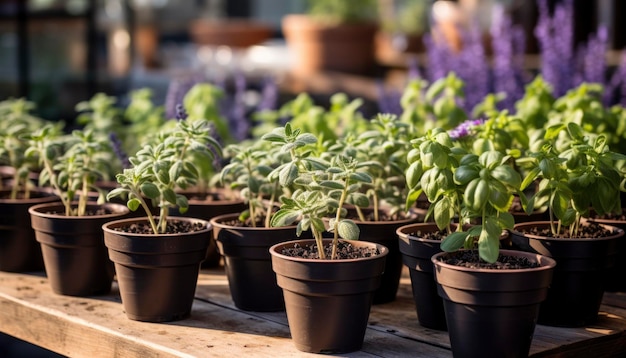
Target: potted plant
[19,251]
[380,150]
[328,284]
[244,238]
[333,36]
[578,173]
[208,197]
[481,284]
[157,257]
[73,249]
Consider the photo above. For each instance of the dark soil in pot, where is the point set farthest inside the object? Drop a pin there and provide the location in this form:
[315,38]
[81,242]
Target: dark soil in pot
[345,250]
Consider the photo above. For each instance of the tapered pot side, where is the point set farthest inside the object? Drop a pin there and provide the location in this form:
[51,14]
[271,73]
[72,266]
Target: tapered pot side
[19,250]
[416,255]
[157,274]
[492,313]
[75,258]
[579,279]
[328,301]
[615,281]
[384,233]
[248,264]
[207,209]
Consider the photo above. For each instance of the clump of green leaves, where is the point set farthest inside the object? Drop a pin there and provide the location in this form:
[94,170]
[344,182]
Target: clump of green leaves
[577,172]
[70,164]
[18,121]
[163,167]
[464,186]
[322,189]
[248,172]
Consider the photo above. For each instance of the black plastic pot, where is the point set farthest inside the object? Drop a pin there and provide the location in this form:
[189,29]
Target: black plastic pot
[248,262]
[19,250]
[206,210]
[416,255]
[384,233]
[328,301]
[492,313]
[74,254]
[157,274]
[615,281]
[580,276]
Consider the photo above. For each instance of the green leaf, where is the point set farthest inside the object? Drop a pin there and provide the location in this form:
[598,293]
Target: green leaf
[331,184]
[454,241]
[170,196]
[443,213]
[284,217]
[150,190]
[288,174]
[133,204]
[414,174]
[348,230]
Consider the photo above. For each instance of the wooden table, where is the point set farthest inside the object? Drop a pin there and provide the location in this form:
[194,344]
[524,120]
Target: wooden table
[98,327]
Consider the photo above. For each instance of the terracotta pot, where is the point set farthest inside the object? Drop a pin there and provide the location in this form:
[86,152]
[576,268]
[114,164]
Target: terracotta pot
[74,254]
[240,33]
[248,262]
[322,47]
[492,313]
[157,274]
[580,275]
[19,250]
[416,255]
[328,301]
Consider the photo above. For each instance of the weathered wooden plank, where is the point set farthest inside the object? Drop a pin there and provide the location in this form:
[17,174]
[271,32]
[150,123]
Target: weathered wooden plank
[97,327]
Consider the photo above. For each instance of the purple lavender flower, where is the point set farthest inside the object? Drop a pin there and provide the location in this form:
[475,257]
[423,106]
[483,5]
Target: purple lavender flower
[176,91]
[555,36]
[269,95]
[181,113]
[465,128]
[116,143]
[508,49]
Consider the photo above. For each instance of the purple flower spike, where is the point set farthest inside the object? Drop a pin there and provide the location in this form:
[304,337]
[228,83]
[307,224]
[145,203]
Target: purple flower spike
[181,113]
[116,143]
[464,129]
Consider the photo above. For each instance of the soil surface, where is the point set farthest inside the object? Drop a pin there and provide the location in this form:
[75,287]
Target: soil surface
[173,227]
[345,250]
[590,230]
[470,259]
[430,235]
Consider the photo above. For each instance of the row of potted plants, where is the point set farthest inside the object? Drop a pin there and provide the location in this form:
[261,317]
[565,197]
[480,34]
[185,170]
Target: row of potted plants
[327,176]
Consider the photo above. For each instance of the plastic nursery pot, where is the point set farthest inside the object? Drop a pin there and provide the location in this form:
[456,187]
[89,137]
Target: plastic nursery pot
[19,250]
[492,312]
[580,276]
[328,301]
[384,233]
[207,209]
[157,274]
[416,255]
[74,254]
[248,262]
